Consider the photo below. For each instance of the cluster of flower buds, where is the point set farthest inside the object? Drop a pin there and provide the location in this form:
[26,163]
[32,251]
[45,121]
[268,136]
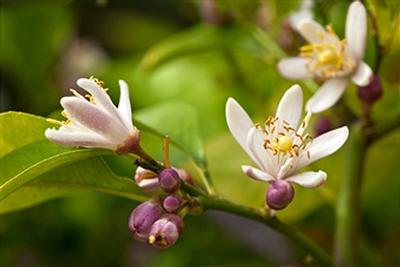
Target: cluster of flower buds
[158,221]
[155,221]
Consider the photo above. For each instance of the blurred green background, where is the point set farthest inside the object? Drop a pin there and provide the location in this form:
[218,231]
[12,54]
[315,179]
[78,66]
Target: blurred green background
[198,53]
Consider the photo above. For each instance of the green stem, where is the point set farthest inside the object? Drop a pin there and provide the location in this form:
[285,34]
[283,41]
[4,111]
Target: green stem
[348,203]
[309,246]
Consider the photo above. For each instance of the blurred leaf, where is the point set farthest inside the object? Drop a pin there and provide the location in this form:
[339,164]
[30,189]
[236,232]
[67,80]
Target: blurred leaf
[32,36]
[178,120]
[50,166]
[199,39]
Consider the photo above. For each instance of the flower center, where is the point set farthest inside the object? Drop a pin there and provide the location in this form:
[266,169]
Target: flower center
[286,141]
[328,58]
[284,144]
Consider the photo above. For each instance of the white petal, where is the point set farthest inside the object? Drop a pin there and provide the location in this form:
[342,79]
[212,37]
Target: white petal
[95,119]
[290,107]
[256,174]
[286,168]
[303,13]
[75,139]
[124,106]
[356,29]
[308,179]
[264,159]
[324,145]
[149,184]
[101,98]
[363,75]
[294,68]
[327,95]
[239,122]
[312,31]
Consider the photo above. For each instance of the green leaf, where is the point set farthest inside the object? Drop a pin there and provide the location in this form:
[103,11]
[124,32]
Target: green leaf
[35,170]
[199,39]
[178,120]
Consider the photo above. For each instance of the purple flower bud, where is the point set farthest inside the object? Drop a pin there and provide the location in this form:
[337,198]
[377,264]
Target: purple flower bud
[166,231]
[143,217]
[172,203]
[280,194]
[146,179]
[322,125]
[372,92]
[169,180]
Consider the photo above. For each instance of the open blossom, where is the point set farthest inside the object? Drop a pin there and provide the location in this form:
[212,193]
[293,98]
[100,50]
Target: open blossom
[94,121]
[280,146]
[328,58]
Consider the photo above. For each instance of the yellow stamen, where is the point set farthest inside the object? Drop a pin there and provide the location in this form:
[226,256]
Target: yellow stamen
[152,239]
[53,121]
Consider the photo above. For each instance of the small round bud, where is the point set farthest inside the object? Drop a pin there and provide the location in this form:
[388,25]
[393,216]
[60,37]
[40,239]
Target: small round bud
[322,125]
[146,179]
[172,203]
[280,193]
[142,219]
[371,92]
[169,180]
[166,231]
[185,176]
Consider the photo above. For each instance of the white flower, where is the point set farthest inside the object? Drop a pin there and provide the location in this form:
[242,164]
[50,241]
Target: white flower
[280,146]
[94,121]
[328,58]
[304,12]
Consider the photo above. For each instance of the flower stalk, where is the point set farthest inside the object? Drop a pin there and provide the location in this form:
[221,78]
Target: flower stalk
[348,203]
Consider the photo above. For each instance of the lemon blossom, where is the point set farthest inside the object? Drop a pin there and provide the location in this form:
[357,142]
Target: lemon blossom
[328,58]
[280,146]
[94,121]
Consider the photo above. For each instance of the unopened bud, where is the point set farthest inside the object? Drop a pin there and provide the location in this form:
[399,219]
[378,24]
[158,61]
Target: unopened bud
[185,176]
[322,125]
[146,179]
[371,92]
[143,217]
[172,203]
[169,180]
[280,194]
[166,231]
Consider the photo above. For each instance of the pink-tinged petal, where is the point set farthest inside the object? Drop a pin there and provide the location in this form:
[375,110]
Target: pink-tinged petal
[124,106]
[78,139]
[239,122]
[101,98]
[149,184]
[264,159]
[313,32]
[290,107]
[362,75]
[257,174]
[356,29]
[327,95]
[322,146]
[294,68]
[95,119]
[308,179]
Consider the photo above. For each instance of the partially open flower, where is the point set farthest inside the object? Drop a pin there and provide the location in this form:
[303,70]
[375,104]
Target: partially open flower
[166,231]
[280,147]
[146,179]
[328,58]
[142,219]
[94,122]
